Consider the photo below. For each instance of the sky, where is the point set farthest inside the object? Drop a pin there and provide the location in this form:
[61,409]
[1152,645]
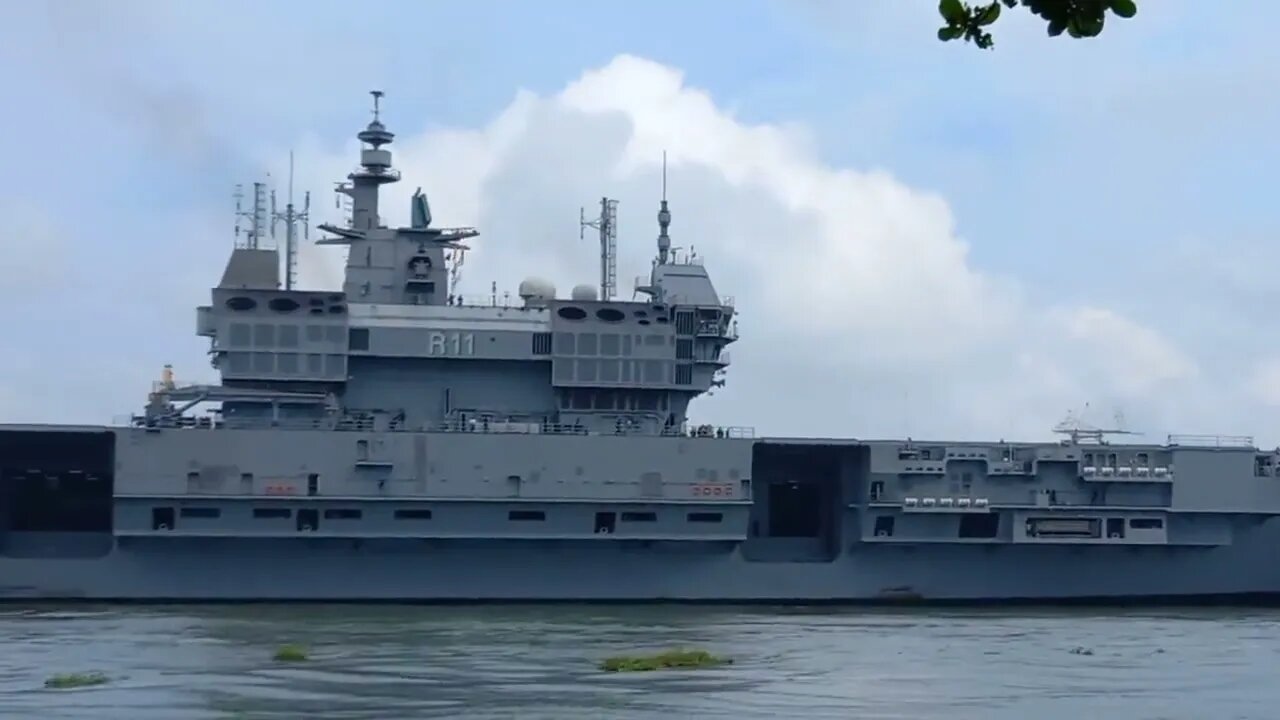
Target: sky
[921,238]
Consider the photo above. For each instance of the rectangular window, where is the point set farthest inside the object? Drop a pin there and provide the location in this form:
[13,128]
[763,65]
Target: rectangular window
[342,514]
[287,336]
[358,338]
[587,343]
[1146,523]
[241,335]
[199,512]
[609,371]
[684,374]
[264,335]
[413,514]
[526,515]
[269,513]
[564,343]
[705,517]
[609,344]
[264,362]
[639,516]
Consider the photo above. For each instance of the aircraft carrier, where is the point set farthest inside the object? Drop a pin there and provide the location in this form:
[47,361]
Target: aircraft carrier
[393,441]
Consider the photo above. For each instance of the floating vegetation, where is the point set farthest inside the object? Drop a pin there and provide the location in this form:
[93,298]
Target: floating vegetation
[663,660]
[75,680]
[290,653]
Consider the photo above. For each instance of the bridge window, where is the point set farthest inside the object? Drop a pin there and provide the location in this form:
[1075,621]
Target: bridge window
[526,515]
[272,513]
[1146,523]
[609,344]
[200,512]
[342,514]
[565,343]
[358,338]
[639,516]
[586,343]
[241,335]
[609,370]
[705,517]
[417,514]
[287,336]
[264,362]
[264,335]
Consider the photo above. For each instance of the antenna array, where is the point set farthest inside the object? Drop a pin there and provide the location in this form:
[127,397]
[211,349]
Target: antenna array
[257,217]
[291,217]
[607,224]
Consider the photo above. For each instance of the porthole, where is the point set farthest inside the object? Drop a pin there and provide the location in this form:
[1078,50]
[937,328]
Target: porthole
[241,303]
[611,315]
[283,304]
[572,313]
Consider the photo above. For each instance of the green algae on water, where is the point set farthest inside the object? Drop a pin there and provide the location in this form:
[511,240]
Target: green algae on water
[290,653]
[663,660]
[75,680]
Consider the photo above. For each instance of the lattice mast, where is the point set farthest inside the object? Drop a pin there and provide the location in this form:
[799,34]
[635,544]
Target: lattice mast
[607,225]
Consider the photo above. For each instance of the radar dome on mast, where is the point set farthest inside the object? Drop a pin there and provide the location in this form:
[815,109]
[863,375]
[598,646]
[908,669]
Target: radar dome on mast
[583,293]
[535,291]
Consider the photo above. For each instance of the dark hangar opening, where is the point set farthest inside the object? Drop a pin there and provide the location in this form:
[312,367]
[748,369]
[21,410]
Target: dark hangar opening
[799,499]
[56,481]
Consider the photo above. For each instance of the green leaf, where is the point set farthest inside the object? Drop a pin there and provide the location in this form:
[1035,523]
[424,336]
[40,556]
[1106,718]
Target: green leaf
[1056,26]
[953,11]
[990,14]
[1124,8]
[950,33]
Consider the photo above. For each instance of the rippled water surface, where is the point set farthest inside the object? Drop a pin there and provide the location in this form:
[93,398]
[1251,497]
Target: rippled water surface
[540,662]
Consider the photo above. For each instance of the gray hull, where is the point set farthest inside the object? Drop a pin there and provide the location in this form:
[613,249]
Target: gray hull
[246,515]
[248,570]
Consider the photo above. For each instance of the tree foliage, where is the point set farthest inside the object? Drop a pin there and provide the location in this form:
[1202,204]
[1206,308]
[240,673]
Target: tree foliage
[1079,18]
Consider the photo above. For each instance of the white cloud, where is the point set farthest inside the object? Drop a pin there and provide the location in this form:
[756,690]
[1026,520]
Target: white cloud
[1265,381]
[861,310]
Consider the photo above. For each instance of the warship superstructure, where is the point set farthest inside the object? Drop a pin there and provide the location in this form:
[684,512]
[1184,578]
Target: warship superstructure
[393,441]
